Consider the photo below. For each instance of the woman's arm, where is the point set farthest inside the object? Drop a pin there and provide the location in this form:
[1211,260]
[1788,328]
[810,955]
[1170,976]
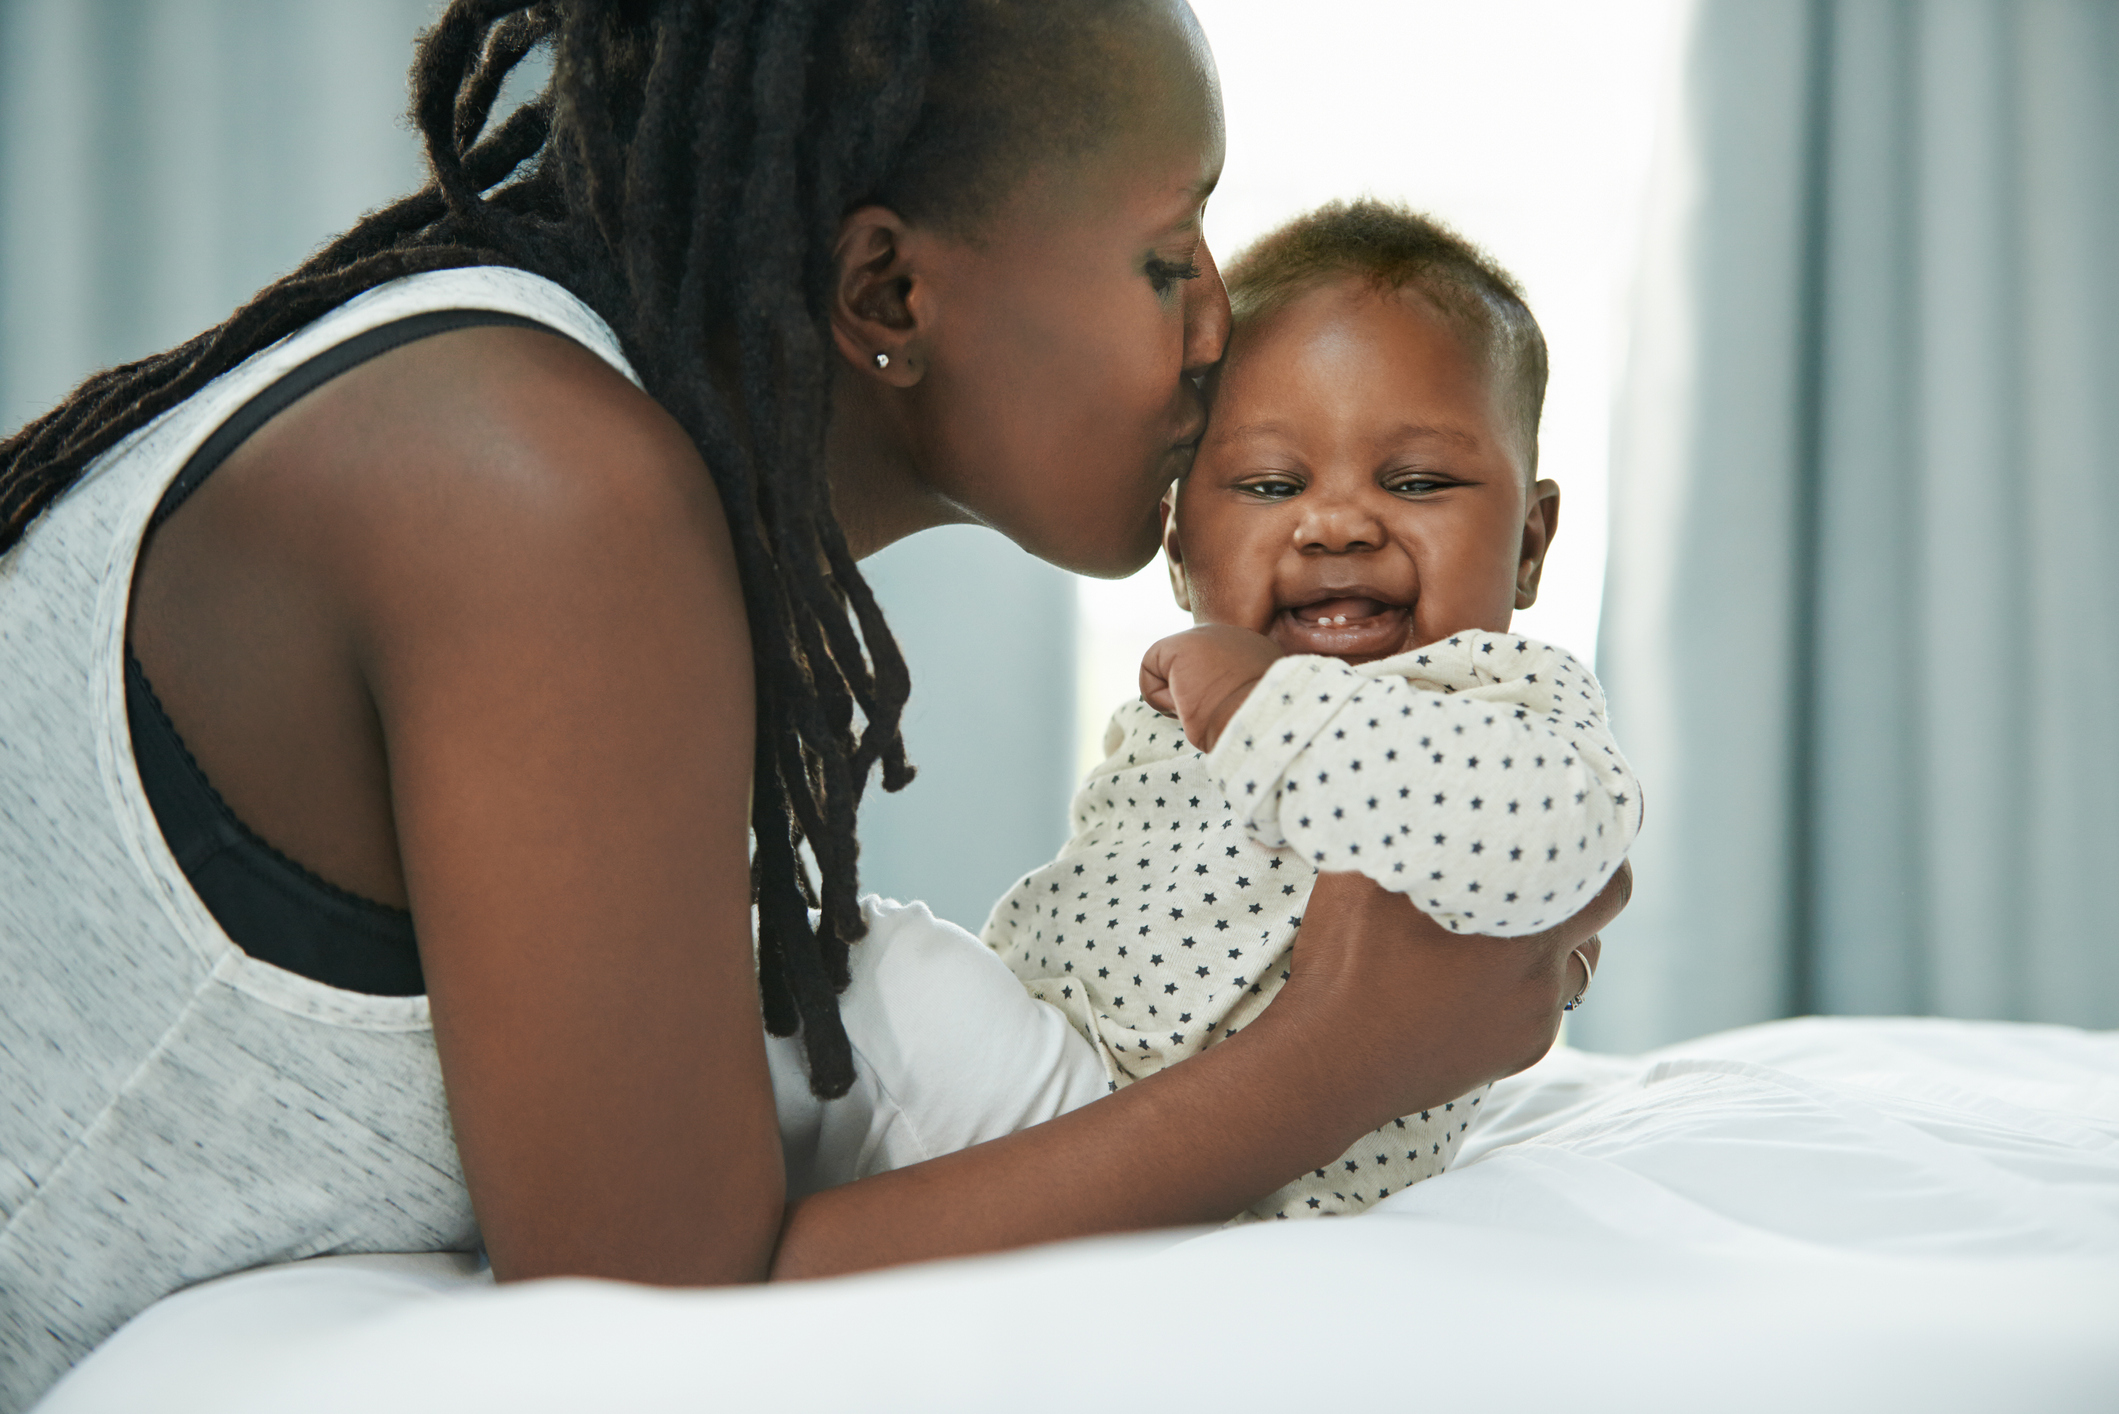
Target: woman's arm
[529,578]
[1385,1013]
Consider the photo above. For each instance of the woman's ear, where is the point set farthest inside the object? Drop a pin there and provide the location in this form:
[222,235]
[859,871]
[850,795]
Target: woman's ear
[1173,549]
[1540,523]
[878,299]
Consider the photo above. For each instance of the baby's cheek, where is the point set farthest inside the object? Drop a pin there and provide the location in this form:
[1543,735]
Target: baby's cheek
[1459,608]
[1484,584]
[1233,604]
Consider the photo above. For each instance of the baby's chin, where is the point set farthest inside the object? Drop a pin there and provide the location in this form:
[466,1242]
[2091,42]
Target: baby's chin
[1357,630]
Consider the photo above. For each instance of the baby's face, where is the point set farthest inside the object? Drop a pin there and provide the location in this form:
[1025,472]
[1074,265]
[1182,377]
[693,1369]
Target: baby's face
[1358,492]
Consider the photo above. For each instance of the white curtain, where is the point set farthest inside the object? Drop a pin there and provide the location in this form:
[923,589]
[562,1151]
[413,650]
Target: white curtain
[1861,632]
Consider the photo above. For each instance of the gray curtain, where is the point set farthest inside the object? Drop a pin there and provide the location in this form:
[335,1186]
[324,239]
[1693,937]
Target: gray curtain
[160,160]
[989,634]
[1861,630]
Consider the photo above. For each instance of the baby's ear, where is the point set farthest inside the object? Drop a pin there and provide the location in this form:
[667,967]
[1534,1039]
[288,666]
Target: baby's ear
[1173,551]
[1540,523]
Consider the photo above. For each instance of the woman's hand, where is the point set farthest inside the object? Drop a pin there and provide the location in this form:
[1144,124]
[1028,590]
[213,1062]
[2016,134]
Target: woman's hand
[1427,1013]
[1201,676]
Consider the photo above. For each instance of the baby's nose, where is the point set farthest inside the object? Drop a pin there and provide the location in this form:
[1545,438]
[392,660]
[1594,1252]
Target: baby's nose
[1339,527]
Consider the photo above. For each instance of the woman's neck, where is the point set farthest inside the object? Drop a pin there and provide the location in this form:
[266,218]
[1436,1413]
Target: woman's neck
[876,488]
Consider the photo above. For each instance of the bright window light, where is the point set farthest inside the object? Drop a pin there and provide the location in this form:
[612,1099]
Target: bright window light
[1524,124]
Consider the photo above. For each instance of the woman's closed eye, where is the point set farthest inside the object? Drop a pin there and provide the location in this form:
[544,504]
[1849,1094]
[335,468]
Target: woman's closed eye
[1164,274]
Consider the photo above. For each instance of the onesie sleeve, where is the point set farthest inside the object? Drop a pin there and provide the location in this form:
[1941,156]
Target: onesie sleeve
[1477,775]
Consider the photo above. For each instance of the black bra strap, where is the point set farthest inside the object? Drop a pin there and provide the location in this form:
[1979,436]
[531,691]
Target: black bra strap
[268,904]
[308,377]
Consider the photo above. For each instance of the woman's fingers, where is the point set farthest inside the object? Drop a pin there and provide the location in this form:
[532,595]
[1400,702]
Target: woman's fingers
[1581,971]
[1378,980]
[1615,895]
[1582,930]
[1581,934]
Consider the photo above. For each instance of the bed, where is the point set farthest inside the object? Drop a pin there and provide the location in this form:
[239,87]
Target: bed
[1819,1215]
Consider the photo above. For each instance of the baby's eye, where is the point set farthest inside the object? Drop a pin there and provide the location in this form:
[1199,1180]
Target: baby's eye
[1277,488]
[1417,485]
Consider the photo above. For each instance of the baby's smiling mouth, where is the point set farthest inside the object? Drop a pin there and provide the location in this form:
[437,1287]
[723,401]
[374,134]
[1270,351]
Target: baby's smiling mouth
[1353,608]
[1342,625]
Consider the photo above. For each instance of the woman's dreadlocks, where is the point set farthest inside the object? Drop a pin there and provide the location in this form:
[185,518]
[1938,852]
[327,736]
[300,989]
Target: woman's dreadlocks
[685,173]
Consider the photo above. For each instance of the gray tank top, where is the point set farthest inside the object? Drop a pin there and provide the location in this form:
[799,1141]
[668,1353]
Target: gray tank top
[172,1109]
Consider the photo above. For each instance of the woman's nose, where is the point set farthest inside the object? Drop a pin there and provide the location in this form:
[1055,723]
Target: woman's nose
[1337,525]
[1206,315]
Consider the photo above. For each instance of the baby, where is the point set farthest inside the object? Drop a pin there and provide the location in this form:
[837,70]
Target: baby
[1360,522]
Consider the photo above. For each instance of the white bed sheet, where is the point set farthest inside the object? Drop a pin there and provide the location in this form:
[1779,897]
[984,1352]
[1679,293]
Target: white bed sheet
[1822,1215]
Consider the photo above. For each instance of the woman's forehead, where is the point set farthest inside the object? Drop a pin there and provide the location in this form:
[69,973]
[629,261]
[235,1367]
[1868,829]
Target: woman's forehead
[1155,145]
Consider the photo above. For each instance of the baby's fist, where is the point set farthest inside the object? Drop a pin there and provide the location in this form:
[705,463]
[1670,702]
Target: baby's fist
[1201,676]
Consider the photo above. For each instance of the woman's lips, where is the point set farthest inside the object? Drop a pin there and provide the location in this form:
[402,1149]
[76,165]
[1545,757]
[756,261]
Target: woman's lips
[1352,626]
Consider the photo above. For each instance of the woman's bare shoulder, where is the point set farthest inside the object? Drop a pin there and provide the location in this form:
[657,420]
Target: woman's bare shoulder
[458,483]
[519,424]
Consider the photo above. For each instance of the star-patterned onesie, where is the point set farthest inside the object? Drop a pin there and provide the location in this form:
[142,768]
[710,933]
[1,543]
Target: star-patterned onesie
[1477,775]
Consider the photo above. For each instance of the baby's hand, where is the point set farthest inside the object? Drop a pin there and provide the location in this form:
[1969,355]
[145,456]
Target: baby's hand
[1201,676]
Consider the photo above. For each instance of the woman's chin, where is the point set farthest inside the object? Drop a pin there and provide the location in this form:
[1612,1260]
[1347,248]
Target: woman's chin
[1115,554]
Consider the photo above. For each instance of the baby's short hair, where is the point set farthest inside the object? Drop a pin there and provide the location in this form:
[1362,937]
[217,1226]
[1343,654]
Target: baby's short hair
[1399,249]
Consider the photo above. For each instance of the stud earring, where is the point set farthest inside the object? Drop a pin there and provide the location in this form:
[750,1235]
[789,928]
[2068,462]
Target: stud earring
[882,360]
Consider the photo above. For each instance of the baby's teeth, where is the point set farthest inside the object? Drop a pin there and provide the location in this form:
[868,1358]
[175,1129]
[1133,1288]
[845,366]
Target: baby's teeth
[1340,620]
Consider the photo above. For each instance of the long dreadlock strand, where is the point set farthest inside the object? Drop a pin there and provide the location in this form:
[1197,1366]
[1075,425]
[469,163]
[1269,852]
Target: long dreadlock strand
[716,141]
[661,165]
[507,44]
[891,687]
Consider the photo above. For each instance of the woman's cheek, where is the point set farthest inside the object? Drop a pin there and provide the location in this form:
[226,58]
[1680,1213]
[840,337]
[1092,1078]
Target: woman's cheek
[1137,410]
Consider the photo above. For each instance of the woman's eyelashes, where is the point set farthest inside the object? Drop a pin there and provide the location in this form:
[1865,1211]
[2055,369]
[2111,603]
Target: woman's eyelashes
[1165,274]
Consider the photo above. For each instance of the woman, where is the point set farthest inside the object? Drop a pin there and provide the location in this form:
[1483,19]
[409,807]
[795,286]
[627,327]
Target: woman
[378,808]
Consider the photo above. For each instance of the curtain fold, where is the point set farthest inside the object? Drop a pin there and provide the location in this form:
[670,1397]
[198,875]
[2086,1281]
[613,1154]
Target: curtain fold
[1861,631]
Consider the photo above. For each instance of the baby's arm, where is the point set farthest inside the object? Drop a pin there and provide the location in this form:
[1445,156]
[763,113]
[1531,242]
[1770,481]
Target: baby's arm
[1478,776]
